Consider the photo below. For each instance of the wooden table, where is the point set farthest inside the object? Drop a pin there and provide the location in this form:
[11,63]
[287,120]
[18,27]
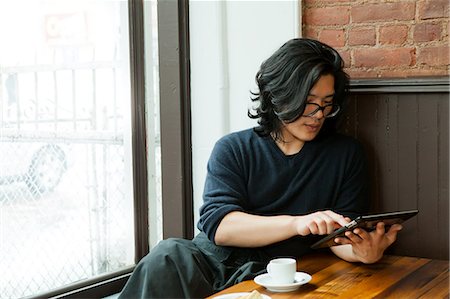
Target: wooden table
[392,277]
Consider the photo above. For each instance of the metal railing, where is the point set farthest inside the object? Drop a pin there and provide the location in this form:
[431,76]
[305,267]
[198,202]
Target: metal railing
[65,183]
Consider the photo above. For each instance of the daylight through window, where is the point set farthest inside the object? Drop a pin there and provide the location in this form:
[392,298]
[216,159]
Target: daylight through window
[66,186]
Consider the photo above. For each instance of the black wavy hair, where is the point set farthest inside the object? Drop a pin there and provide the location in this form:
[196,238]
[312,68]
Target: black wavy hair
[285,79]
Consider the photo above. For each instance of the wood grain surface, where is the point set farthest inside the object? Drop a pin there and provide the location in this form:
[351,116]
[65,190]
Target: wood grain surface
[392,277]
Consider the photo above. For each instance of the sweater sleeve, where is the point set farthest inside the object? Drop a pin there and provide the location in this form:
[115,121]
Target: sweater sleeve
[225,187]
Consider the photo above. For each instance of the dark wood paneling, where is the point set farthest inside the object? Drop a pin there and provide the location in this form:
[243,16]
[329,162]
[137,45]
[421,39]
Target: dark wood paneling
[406,138]
[407,166]
[428,173]
[443,173]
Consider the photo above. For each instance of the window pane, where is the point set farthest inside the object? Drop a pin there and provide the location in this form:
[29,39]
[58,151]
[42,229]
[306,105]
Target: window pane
[152,121]
[66,205]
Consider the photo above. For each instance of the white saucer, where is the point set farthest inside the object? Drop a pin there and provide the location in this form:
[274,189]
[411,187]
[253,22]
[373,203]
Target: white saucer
[236,295]
[266,281]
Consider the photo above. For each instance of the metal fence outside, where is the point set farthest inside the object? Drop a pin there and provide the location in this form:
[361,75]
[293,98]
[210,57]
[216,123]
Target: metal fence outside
[65,180]
[66,185]
[78,230]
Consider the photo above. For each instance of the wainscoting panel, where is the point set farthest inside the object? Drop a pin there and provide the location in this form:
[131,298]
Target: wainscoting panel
[406,138]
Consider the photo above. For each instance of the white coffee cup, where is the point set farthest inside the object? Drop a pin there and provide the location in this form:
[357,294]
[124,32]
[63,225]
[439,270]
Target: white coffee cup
[282,270]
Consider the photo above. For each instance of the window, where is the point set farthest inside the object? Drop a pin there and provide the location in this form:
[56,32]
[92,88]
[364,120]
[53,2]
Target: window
[67,185]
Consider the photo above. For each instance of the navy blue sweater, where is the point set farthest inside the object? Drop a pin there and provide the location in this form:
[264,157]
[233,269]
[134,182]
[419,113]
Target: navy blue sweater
[250,173]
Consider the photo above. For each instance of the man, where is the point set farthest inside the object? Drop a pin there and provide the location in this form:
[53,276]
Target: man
[275,189]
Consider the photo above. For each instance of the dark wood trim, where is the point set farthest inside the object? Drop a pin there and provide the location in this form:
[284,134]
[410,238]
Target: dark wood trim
[175,119]
[99,287]
[406,85]
[188,201]
[139,142]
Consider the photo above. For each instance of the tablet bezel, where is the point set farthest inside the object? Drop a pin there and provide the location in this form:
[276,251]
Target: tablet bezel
[367,222]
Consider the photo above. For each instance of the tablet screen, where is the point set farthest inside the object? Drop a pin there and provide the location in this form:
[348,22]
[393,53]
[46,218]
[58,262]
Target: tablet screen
[367,222]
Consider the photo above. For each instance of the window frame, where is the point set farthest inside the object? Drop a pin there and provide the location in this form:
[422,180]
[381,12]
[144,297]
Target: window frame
[176,154]
[175,105]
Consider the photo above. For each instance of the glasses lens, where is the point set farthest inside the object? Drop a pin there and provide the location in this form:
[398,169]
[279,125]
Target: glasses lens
[311,109]
[329,110]
[334,109]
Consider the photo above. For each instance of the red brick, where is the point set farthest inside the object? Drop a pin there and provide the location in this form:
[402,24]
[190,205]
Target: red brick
[448,30]
[393,35]
[434,56]
[376,57]
[383,12]
[327,16]
[430,9]
[345,54]
[412,72]
[311,32]
[308,3]
[406,72]
[333,37]
[426,32]
[362,36]
[358,73]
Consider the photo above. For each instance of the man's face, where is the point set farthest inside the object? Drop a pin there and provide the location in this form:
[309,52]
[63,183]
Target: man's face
[306,128]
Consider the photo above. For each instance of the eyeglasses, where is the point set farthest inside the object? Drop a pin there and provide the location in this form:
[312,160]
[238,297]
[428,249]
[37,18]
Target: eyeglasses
[328,110]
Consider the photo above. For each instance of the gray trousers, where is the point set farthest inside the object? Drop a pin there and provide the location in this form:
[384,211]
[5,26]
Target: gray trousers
[179,268]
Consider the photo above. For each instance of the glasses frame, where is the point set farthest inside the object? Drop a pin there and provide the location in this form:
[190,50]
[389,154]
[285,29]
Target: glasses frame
[335,108]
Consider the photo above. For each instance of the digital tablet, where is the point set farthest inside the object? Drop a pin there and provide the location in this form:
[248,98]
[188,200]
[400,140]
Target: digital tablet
[367,222]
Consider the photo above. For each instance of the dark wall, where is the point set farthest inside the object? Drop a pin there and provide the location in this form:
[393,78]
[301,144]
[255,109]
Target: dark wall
[404,128]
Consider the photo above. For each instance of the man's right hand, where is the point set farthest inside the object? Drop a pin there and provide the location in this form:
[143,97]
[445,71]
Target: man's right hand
[320,223]
[241,229]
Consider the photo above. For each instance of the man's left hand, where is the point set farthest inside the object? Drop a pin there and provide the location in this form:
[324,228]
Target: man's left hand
[368,247]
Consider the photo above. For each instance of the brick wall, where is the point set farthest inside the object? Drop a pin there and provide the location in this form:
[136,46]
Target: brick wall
[383,38]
